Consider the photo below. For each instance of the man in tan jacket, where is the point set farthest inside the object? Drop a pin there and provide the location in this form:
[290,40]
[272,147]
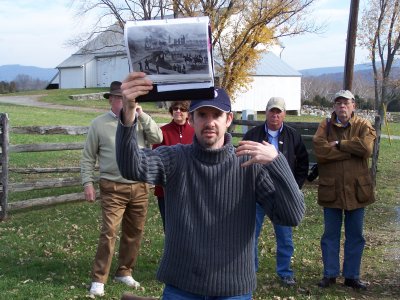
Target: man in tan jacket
[343,145]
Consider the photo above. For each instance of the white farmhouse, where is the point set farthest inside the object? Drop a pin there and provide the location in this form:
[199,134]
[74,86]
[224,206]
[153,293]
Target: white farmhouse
[272,78]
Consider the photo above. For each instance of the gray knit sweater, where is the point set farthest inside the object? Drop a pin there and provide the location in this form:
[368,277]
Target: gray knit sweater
[210,210]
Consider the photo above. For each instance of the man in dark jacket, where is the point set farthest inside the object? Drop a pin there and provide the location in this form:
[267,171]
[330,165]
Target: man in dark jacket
[288,141]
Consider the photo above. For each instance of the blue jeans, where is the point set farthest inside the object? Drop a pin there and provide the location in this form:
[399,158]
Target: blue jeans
[284,244]
[173,293]
[353,244]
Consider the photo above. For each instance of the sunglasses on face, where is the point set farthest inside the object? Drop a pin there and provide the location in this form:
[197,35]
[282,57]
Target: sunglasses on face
[179,108]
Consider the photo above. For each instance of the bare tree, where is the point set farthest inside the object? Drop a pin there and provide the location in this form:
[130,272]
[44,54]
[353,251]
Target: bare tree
[242,29]
[23,82]
[363,86]
[380,34]
[111,15]
[322,86]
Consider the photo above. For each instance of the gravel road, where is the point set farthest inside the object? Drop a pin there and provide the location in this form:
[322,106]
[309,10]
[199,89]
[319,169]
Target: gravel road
[34,101]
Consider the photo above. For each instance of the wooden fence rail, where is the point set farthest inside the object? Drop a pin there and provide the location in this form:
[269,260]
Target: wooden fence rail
[45,170]
[46,201]
[44,184]
[307,130]
[45,147]
[7,187]
[70,130]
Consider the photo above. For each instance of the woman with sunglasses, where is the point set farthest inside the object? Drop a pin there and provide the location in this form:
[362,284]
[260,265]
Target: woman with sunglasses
[178,131]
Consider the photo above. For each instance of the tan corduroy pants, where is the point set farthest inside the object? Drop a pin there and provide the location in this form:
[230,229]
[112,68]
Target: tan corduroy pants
[124,204]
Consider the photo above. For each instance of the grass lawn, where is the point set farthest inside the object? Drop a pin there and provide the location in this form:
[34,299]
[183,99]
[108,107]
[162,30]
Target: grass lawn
[47,252]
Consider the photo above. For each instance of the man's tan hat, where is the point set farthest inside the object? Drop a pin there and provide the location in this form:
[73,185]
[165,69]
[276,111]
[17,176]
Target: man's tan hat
[276,102]
[344,94]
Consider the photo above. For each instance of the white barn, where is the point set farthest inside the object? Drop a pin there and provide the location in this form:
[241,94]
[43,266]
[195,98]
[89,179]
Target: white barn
[272,78]
[98,63]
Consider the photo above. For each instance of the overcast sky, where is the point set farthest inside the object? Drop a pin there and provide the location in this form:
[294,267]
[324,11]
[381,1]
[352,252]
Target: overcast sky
[35,33]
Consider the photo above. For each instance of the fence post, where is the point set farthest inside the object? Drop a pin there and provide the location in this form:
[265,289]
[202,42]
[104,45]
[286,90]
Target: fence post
[4,141]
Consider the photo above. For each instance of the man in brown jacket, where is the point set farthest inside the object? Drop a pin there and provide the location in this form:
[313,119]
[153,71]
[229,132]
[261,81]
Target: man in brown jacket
[343,145]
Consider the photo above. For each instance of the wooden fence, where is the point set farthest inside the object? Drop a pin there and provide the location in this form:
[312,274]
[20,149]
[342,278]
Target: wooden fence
[6,149]
[307,130]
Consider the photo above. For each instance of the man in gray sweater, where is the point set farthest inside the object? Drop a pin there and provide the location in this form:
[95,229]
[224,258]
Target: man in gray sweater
[211,190]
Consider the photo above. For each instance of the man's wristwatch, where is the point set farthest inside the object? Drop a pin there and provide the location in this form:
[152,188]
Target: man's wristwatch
[337,144]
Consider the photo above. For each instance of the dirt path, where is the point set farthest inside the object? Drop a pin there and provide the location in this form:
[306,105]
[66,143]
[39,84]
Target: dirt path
[33,100]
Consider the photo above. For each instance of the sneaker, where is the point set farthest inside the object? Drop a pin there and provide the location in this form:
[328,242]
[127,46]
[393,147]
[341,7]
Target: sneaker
[97,289]
[128,280]
[288,281]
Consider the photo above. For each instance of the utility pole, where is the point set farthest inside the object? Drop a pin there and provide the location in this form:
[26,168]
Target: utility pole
[348,77]
[351,45]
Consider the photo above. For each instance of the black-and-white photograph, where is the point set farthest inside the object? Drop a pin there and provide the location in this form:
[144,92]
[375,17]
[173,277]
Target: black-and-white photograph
[170,51]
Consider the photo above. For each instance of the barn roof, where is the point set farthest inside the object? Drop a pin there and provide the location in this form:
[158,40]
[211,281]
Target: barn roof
[272,65]
[76,60]
[107,43]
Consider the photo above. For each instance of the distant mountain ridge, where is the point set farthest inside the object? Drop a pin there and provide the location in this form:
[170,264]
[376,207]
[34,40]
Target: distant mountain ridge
[10,72]
[339,70]
[332,70]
